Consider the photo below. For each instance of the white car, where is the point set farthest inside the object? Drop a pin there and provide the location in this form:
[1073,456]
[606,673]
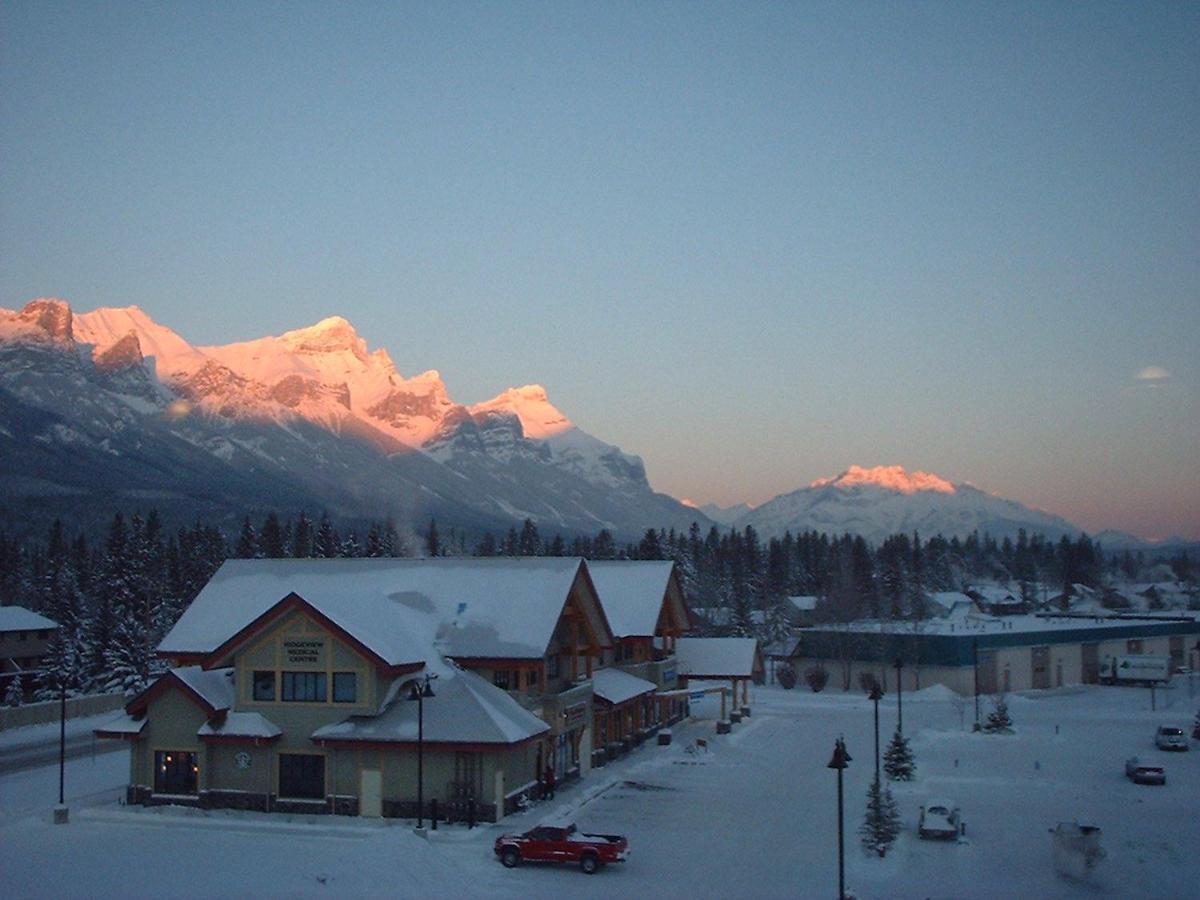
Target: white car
[1170,738]
[939,819]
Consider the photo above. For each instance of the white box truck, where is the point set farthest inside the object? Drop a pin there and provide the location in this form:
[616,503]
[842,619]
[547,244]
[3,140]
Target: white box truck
[1134,669]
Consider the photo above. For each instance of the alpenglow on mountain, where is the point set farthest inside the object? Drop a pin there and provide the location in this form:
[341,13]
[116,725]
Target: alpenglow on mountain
[887,500]
[110,410]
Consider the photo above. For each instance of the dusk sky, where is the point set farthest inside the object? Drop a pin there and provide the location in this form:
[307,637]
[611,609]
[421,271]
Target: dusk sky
[751,243]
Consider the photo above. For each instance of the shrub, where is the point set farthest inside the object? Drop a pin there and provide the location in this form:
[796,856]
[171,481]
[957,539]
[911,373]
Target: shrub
[786,676]
[867,680]
[816,677]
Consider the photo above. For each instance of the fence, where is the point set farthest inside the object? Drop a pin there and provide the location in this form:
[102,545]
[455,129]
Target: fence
[41,713]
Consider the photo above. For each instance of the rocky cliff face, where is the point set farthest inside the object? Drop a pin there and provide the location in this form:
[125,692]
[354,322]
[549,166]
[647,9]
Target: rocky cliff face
[112,403]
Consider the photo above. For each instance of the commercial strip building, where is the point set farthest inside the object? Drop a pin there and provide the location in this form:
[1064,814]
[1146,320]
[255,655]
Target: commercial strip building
[1009,653]
[292,681]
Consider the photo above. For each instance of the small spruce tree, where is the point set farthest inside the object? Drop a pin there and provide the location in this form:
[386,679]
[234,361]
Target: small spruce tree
[14,696]
[998,720]
[898,759]
[785,674]
[882,823]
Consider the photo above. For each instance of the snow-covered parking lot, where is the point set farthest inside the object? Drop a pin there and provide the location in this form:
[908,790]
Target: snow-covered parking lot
[753,816]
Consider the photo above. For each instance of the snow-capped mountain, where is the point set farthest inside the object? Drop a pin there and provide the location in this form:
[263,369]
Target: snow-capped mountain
[886,500]
[112,403]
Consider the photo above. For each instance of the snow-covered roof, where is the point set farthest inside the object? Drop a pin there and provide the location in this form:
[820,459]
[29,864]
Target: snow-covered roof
[981,624]
[616,686]
[804,602]
[124,724]
[18,618]
[398,608]
[214,685]
[632,593]
[725,657]
[464,709]
[241,724]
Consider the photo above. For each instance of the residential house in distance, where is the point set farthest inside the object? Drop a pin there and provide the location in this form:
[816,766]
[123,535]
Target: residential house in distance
[24,639]
[292,684]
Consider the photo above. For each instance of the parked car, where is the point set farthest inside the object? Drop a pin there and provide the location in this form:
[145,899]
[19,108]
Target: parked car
[1140,773]
[1168,737]
[563,844]
[939,819]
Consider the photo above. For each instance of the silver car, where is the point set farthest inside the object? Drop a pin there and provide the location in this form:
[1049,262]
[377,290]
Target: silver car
[1169,737]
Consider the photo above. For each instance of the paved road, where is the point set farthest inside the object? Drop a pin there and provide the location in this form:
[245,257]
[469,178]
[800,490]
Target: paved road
[44,753]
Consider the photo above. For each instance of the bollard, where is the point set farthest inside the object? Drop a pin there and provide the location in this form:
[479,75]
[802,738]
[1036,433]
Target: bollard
[956,763]
[471,813]
[1056,729]
[433,812]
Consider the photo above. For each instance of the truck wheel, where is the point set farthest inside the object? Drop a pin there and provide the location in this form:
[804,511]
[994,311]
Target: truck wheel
[589,864]
[510,857]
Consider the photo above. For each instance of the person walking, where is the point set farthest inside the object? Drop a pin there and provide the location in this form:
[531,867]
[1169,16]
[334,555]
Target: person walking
[548,780]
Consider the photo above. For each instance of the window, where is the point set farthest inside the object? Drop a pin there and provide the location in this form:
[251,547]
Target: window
[500,678]
[301,776]
[22,635]
[531,678]
[175,772]
[264,685]
[345,687]
[304,687]
[552,666]
[1133,646]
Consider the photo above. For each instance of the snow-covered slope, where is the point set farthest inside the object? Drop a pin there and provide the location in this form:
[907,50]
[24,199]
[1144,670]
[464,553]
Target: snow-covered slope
[312,407]
[885,500]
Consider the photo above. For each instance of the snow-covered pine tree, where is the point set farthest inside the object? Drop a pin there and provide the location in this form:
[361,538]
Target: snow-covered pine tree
[327,539]
[14,696]
[898,760]
[60,666]
[998,720]
[882,823]
[131,663]
[777,627]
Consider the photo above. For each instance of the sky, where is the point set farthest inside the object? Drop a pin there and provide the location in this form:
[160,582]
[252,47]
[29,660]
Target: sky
[751,243]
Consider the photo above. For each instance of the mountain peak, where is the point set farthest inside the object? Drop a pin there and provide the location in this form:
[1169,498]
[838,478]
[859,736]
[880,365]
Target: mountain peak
[45,317]
[539,417]
[330,335]
[892,478]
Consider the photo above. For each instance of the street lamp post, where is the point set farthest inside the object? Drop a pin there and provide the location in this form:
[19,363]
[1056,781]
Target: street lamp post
[840,760]
[875,696]
[899,695]
[419,691]
[975,654]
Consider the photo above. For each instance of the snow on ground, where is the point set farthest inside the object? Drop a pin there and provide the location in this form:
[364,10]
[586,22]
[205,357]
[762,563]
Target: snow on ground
[753,816]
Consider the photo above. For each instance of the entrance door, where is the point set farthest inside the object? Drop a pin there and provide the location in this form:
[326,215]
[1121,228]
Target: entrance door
[370,793]
[1091,664]
[1041,667]
[987,671]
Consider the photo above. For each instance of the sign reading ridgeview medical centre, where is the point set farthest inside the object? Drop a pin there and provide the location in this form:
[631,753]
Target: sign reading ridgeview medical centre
[304,650]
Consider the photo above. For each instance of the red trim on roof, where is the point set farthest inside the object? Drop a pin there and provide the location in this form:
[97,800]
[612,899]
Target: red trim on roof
[183,659]
[161,686]
[291,602]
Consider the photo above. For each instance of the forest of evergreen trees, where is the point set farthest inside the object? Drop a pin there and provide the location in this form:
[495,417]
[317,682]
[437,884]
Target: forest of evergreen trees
[115,599]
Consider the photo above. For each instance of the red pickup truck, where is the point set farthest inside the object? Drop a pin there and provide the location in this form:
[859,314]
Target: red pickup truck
[562,843]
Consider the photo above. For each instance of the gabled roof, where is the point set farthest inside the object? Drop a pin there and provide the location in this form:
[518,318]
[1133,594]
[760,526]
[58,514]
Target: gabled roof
[18,618]
[210,689]
[465,709]
[729,657]
[632,593]
[240,725]
[615,686]
[399,608]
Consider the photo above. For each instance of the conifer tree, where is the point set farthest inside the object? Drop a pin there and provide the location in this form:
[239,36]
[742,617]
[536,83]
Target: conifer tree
[530,542]
[882,823]
[131,663]
[14,696]
[60,667]
[433,542]
[998,720]
[898,760]
[271,544]
[327,539]
[247,542]
[302,537]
